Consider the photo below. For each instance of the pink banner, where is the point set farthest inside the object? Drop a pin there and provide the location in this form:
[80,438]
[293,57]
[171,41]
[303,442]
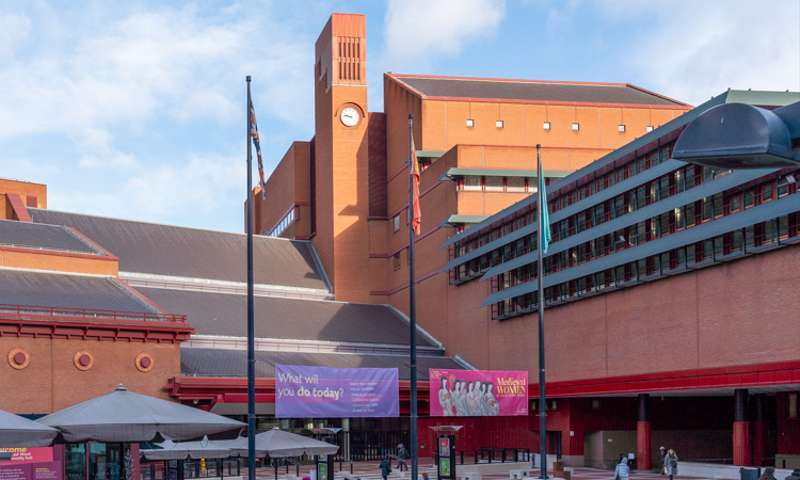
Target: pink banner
[31,464]
[478,393]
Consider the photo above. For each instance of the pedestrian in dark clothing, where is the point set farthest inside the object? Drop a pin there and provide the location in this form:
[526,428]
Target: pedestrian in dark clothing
[386,467]
[662,452]
[402,456]
[769,474]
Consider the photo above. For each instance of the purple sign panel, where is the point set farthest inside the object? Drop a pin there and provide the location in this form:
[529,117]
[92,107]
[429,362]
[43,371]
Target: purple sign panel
[324,392]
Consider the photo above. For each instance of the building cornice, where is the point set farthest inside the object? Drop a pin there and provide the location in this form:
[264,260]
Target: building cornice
[149,280]
[221,342]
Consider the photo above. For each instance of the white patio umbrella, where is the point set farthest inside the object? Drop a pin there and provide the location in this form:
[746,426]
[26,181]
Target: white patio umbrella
[16,431]
[123,416]
[279,443]
[189,450]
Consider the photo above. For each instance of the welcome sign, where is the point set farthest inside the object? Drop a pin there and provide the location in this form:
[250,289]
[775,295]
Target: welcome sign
[478,393]
[325,392]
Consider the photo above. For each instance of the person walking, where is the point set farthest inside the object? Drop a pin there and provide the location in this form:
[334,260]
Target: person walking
[386,467]
[622,471]
[662,452]
[769,474]
[402,456]
[671,464]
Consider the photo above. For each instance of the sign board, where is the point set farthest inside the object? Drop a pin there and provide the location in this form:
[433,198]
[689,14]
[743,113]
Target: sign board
[30,464]
[324,392]
[478,393]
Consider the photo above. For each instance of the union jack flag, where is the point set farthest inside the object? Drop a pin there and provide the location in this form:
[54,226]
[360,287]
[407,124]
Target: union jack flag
[257,143]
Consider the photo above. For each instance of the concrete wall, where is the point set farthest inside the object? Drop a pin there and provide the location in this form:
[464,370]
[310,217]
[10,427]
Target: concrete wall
[602,449]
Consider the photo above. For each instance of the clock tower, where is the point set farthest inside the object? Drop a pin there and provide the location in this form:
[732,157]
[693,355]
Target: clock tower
[340,156]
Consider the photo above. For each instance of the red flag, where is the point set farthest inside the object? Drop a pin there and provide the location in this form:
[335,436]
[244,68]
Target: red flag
[416,212]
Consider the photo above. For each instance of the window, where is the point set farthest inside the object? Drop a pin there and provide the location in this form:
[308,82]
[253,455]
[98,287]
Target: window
[472,182]
[499,124]
[396,223]
[494,184]
[284,223]
[621,128]
[470,123]
[396,261]
[515,184]
[546,126]
[575,126]
[792,410]
[533,184]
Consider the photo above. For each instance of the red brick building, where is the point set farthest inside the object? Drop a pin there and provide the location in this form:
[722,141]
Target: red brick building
[669,286]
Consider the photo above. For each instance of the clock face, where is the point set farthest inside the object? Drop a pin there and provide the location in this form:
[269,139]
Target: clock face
[350,116]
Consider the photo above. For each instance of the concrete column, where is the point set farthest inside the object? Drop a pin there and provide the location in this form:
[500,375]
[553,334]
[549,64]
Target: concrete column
[758,430]
[643,448]
[346,439]
[742,454]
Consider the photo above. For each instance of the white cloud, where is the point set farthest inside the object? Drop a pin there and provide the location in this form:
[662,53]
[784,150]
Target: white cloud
[14,29]
[419,31]
[140,102]
[97,151]
[176,192]
[692,51]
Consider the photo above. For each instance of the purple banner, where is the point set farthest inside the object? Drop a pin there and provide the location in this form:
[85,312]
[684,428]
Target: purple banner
[324,392]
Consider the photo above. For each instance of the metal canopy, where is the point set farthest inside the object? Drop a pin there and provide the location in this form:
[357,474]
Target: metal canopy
[16,431]
[738,135]
[123,416]
[279,443]
[190,450]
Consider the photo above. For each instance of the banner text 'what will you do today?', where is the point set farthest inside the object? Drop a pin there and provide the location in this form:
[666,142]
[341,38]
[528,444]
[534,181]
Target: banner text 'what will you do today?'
[309,392]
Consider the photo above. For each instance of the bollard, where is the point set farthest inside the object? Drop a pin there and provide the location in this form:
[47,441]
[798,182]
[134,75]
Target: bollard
[351,463]
[462,451]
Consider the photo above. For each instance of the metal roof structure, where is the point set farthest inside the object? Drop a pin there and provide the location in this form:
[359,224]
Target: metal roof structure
[41,236]
[288,318]
[231,363]
[68,291]
[188,252]
[533,90]
[600,165]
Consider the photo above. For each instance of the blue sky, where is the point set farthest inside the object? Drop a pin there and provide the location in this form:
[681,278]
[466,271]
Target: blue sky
[136,109]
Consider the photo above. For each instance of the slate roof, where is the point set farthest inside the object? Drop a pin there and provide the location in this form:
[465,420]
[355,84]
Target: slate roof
[188,252]
[224,314]
[68,291]
[506,89]
[39,236]
[209,362]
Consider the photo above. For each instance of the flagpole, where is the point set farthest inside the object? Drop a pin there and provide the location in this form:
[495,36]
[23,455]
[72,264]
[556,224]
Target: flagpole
[251,362]
[540,277]
[412,308]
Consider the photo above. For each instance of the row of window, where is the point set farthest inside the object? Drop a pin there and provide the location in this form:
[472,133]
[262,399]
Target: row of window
[478,183]
[755,238]
[556,203]
[285,222]
[665,186]
[666,223]
[547,126]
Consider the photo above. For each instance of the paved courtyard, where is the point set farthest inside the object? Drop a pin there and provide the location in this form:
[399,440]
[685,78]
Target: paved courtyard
[370,471]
